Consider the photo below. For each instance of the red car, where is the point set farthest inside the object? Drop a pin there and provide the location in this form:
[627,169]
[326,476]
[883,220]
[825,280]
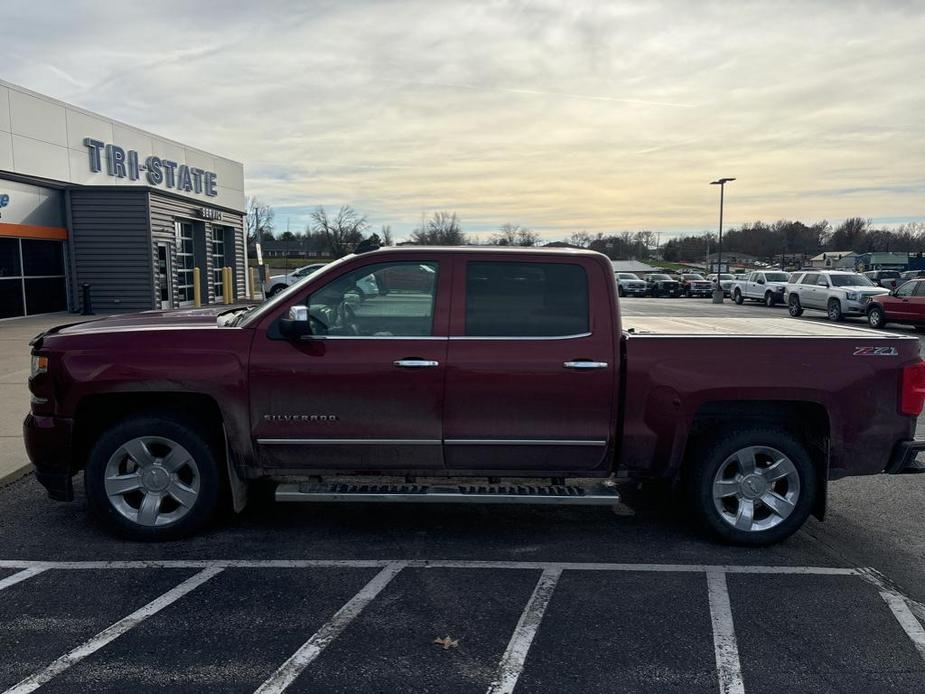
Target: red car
[468,376]
[905,304]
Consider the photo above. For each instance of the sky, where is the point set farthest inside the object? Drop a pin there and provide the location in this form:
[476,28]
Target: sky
[559,116]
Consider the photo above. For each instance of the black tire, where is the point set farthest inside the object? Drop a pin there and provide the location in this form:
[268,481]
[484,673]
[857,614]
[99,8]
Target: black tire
[620,291]
[794,307]
[168,426]
[738,298]
[275,289]
[706,461]
[875,317]
[769,299]
[833,310]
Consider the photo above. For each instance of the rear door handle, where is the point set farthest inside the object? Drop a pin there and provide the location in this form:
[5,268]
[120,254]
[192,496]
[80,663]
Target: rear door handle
[585,364]
[415,363]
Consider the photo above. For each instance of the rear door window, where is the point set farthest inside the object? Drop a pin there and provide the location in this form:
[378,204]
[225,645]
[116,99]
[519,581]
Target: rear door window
[516,299]
[919,288]
[810,278]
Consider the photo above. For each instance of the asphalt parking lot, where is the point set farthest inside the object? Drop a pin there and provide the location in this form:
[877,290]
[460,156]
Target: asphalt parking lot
[346,598]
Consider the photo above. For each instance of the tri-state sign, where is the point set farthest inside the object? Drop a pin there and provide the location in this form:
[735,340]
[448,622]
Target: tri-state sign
[121,163]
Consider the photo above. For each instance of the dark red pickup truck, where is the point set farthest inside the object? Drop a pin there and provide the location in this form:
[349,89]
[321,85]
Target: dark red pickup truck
[451,375]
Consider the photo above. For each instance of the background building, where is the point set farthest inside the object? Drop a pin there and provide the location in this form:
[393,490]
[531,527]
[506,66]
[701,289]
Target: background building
[85,199]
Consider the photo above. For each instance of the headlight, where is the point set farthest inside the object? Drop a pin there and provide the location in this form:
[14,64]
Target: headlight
[39,365]
[851,296]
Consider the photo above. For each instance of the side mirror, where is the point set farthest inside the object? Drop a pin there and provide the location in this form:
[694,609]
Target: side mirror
[761,280]
[296,324]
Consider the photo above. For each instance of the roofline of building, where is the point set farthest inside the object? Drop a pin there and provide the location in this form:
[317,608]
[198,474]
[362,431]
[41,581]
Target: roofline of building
[99,116]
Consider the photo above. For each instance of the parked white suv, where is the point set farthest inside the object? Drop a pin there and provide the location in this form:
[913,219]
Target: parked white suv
[766,286]
[839,294]
[629,284]
[278,283]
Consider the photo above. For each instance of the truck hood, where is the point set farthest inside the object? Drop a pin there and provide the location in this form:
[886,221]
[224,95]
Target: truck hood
[147,320]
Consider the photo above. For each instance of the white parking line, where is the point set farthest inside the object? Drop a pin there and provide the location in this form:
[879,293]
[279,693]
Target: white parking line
[111,633]
[427,563]
[724,637]
[913,628]
[287,673]
[20,576]
[512,662]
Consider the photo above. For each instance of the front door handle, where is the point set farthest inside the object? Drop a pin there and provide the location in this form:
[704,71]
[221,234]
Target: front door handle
[415,363]
[585,364]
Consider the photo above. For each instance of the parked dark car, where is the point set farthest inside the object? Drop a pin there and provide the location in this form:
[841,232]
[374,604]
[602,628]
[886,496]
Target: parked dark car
[694,284]
[905,304]
[888,279]
[660,284]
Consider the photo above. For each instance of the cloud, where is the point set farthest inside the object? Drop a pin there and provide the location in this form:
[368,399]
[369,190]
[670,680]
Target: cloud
[561,116]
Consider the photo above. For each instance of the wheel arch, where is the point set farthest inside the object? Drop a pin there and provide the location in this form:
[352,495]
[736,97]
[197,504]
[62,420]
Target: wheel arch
[806,420]
[95,413]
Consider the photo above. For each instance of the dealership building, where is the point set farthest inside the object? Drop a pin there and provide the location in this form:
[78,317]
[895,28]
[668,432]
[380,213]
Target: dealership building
[86,200]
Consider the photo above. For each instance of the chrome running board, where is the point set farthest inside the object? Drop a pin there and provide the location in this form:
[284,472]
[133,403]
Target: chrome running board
[591,493]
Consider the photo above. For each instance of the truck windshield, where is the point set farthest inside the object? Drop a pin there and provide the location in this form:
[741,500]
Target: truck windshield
[724,276]
[692,277]
[852,280]
[627,276]
[777,276]
[659,278]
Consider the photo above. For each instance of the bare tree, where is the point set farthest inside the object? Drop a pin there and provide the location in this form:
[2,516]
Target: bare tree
[514,235]
[342,232]
[386,235]
[580,239]
[442,229]
[258,220]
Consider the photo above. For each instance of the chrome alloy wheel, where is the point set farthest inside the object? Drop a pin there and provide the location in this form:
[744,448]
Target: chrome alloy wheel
[152,480]
[756,488]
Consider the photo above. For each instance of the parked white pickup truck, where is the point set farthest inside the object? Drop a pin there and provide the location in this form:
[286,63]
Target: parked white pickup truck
[765,286]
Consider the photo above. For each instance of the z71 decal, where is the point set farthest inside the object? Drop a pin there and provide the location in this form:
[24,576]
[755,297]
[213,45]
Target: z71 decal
[875,352]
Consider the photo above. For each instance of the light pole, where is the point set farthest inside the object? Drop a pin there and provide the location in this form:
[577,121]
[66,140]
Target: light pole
[718,289]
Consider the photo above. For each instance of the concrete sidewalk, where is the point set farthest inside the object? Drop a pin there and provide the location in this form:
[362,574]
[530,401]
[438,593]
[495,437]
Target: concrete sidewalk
[14,393]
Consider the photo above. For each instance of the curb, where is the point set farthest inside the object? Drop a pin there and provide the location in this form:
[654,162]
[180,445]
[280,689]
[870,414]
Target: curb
[8,478]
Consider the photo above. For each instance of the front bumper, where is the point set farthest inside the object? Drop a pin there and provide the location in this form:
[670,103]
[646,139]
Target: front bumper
[48,443]
[902,461]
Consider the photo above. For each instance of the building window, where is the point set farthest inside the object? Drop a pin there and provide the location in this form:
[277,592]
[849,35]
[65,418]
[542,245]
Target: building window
[186,261]
[218,260]
[31,277]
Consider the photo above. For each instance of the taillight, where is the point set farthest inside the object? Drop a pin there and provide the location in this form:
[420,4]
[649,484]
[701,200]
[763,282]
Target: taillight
[912,398]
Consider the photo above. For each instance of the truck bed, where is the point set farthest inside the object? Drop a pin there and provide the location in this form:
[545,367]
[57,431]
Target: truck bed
[749,327]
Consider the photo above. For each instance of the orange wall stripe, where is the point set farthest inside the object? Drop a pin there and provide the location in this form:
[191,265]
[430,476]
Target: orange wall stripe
[33,232]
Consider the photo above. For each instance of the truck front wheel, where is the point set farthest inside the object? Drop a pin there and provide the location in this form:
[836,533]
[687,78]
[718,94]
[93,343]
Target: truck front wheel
[737,297]
[794,307]
[755,487]
[152,477]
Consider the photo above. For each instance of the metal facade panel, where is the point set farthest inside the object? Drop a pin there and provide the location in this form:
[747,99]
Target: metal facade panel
[166,210]
[111,248]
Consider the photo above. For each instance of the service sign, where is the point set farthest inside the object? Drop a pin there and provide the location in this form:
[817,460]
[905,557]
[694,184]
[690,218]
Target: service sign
[122,163]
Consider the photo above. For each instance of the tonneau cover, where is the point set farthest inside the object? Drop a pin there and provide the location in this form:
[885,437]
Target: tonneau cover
[748,327]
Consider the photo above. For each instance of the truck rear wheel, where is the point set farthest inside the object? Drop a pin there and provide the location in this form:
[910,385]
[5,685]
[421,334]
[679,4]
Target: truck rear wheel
[753,487]
[152,477]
